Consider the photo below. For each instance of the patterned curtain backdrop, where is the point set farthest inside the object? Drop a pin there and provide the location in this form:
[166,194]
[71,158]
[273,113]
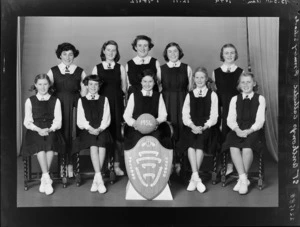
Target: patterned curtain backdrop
[264,52]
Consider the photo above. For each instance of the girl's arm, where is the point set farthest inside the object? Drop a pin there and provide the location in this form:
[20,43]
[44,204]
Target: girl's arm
[50,75]
[260,116]
[29,123]
[213,117]
[158,74]
[162,110]
[127,79]
[231,119]
[83,90]
[123,80]
[190,77]
[129,111]
[106,117]
[186,116]
[56,124]
[82,123]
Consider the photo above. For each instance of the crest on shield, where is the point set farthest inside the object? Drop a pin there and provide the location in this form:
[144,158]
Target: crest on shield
[148,166]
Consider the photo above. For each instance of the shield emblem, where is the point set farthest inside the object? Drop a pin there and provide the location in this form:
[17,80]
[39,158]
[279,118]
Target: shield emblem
[148,165]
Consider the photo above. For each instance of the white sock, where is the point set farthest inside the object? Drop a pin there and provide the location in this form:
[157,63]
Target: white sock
[243,176]
[195,176]
[45,175]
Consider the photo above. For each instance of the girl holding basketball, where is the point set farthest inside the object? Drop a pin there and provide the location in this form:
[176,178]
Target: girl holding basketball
[93,118]
[199,114]
[144,101]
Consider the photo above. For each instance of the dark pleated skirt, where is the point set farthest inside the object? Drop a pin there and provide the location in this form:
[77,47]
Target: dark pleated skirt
[34,143]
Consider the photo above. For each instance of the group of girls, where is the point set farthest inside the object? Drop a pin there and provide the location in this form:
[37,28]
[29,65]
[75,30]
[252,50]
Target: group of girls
[170,92]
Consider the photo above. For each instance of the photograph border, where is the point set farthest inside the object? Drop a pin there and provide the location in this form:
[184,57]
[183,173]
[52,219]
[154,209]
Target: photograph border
[288,120]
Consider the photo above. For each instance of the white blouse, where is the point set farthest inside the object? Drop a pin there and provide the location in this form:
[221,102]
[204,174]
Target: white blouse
[28,119]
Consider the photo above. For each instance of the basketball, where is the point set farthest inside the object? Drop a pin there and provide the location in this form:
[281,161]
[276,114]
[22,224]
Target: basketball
[146,123]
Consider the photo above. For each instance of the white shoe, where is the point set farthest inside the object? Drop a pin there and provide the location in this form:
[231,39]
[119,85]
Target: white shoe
[70,171]
[42,186]
[236,188]
[192,186]
[118,171]
[243,187]
[94,187]
[48,186]
[229,169]
[177,168]
[101,188]
[200,186]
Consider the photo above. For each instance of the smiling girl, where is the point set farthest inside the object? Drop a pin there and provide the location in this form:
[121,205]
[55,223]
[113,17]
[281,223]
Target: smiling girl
[93,118]
[245,119]
[141,45]
[226,79]
[67,82]
[114,88]
[143,101]
[43,120]
[176,81]
[199,114]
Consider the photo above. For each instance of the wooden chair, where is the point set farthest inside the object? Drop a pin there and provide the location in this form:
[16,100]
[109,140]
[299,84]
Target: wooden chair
[34,173]
[205,171]
[252,176]
[107,169]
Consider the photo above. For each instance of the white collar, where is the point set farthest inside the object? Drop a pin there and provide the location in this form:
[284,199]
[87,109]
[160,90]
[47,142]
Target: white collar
[144,92]
[203,91]
[105,64]
[62,68]
[232,67]
[89,96]
[174,64]
[43,97]
[138,60]
[249,95]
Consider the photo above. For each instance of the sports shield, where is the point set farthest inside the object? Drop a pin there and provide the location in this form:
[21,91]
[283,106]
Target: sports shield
[148,166]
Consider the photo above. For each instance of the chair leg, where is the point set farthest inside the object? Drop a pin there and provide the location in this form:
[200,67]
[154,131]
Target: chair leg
[112,174]
[25,163]
[223,173]
[64,175]
[214,173]
[260,172]
[77,169]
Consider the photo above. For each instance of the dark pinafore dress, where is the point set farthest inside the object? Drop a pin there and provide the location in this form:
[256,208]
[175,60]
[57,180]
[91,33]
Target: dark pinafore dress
[200,113]
[146,104]
[43,116]
[134,75]
[93,111]
[246,114]
[226,83]
[111,88]
[67,89]
[174,89]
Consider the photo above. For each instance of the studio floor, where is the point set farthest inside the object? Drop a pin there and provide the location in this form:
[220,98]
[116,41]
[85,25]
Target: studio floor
[215,195]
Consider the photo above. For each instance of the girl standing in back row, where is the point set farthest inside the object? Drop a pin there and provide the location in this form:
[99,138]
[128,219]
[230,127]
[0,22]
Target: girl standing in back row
[114,88]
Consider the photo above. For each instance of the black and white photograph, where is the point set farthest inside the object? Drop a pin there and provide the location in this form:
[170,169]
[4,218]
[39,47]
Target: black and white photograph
[127,113]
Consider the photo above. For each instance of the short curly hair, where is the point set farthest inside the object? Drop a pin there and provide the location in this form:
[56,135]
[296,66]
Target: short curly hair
[172,44]
[148,72]
[142,37]
[66,47]
[110,42]
[225,46]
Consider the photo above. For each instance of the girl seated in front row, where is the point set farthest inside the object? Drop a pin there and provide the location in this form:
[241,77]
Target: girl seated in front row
[143,101]
[199,114]
[43,120]
[246,117]
[93,117]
